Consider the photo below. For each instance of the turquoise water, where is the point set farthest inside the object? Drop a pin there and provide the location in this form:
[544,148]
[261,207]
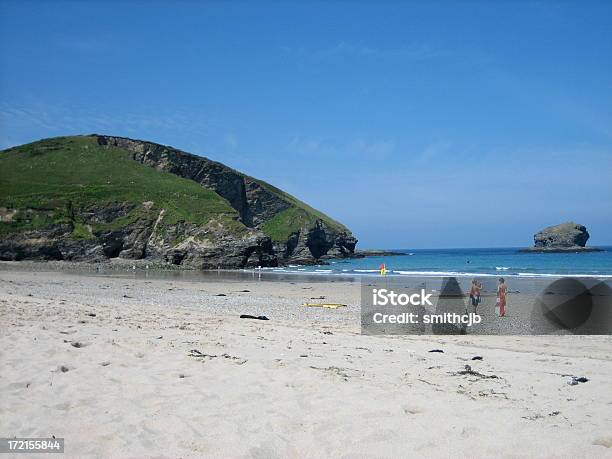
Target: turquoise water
[496,262]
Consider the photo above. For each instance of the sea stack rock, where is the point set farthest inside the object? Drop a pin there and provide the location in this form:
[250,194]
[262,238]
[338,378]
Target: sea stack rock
[566,237]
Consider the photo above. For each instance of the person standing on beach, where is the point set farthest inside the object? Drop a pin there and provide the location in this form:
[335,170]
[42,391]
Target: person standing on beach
[475,294]
[502,291]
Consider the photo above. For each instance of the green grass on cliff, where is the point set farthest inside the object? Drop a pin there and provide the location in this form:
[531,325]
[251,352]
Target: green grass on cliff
[299,215]
[46,180]
[287,222]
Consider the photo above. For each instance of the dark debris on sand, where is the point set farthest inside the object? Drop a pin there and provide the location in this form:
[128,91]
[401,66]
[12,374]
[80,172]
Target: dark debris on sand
[577,380]
[468,371]
[248,316]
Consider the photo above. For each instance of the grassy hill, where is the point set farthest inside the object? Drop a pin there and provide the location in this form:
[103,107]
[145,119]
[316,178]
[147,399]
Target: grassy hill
[77,197]
[46,180]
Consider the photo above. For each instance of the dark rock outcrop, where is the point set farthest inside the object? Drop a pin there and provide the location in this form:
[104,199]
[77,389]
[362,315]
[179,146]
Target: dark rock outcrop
[566,237]
[204,247]
[310,245]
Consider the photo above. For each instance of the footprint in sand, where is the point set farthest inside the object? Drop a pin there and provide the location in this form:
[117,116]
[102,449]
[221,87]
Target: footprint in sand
[606,442]
[19,385]
[409,409]
[64,406]
[262,452]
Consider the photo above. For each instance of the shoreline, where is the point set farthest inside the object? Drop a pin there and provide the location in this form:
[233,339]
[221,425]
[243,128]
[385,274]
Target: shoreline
[124,266]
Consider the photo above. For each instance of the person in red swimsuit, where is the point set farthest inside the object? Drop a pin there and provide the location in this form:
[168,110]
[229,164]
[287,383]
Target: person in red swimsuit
[502,291]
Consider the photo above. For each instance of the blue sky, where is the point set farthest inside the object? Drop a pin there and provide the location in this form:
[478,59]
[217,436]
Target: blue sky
[425,124]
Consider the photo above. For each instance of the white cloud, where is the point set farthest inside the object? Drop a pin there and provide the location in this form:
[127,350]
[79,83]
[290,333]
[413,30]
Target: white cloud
[230,140]
[434,150]
[310,146]
[374,147]
[21,122]
[326,146]
[410,51]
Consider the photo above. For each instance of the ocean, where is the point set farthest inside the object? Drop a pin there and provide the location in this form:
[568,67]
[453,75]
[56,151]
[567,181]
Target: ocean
[476,262]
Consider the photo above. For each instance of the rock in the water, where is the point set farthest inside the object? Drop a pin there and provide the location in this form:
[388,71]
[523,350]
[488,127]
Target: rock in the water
[566,237]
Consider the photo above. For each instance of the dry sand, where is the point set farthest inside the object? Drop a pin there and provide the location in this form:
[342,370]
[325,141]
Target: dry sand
[125,367]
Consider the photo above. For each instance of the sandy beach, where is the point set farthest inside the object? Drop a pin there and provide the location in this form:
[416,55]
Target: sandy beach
[126,366]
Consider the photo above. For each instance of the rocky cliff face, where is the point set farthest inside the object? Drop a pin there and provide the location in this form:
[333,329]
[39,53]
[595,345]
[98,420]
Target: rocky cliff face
[116,214]
[225,181]
[207,246]
[314,243]
[566,237]
[255,202]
